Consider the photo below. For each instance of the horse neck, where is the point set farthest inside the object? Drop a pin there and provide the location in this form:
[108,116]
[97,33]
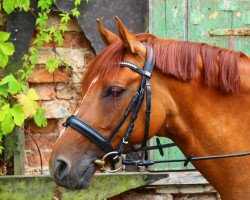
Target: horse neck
[208,113]
[205,121]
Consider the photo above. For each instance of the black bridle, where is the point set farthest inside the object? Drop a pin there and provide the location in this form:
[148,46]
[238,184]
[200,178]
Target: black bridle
[133,108]
[144,90]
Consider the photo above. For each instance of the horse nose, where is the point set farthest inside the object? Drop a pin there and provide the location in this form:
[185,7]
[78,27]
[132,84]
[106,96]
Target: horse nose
[62,168]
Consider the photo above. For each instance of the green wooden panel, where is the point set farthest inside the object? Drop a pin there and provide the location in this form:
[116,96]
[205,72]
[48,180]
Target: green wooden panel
[241,20]
[212,15]
[215,16]
[168,18]
[225,23]
[170,153]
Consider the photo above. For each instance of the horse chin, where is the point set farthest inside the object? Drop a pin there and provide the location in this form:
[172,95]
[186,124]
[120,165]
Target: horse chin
[85,179]
[78,179]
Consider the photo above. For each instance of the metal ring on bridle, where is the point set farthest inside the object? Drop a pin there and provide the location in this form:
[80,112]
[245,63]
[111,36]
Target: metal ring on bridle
[106,156]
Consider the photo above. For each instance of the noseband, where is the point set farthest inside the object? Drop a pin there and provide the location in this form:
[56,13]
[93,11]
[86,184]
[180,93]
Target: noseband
[133,108]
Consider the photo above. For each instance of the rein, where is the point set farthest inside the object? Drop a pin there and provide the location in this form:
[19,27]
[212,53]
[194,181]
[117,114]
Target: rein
[133,108]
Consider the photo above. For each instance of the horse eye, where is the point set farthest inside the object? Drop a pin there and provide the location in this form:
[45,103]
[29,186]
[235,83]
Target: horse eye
[114,91]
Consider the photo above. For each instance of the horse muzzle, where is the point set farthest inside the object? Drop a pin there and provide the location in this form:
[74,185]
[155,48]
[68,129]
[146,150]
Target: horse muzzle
[73,175]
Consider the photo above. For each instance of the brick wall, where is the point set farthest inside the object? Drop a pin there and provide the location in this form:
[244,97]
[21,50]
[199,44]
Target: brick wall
[58,91]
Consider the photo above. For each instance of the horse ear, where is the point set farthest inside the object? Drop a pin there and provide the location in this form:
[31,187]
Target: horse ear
[107,36]
[129,40]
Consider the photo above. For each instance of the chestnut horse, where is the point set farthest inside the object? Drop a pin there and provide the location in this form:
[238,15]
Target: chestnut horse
[200,100]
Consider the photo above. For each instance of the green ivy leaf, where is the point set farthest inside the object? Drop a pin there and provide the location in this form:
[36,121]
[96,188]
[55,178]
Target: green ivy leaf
[77,2]
[32,94]
[63,28]
[39,118]
[42,19]
[58,38]
[4,36]
[1,148]
[47,38]
[3,90]
[52,64]
[9,6]
[26,5]
[18,114]
[75,12]
[13,85]
[8,123]
[4,59]
[65,17]
[2,101]
[7,48]
[29,103]
[3,111]
[44,4]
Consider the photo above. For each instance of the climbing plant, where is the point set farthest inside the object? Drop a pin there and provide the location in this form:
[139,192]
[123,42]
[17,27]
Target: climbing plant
[17,101]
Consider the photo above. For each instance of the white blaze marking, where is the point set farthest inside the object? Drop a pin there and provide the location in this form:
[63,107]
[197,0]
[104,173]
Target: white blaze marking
[91,84]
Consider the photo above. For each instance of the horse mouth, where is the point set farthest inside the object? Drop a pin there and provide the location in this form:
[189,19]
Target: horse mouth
[85,179]
[77,179]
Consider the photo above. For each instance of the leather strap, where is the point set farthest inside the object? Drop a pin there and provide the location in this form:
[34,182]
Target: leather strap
[88,131]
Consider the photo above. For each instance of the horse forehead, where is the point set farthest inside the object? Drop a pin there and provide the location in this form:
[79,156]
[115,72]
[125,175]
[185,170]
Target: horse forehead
[136,59]
[123,77]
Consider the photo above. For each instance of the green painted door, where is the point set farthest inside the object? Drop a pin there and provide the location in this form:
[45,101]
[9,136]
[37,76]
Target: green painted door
[224,23]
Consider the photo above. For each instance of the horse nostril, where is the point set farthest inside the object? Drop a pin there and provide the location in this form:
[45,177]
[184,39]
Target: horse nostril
[62,168]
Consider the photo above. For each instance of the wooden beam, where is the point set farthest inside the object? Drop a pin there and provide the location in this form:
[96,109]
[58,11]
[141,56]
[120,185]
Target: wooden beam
[102,186]
[15,146]
[19,155]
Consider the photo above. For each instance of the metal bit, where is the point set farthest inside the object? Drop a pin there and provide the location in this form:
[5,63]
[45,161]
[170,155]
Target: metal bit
[99,162]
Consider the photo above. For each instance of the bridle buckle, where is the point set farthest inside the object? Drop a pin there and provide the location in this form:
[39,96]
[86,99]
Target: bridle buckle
[124,141]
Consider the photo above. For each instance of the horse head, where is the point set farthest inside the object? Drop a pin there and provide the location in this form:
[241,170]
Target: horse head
[108,90]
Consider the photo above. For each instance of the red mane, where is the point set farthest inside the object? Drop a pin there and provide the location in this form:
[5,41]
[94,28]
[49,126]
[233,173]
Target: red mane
[177,59]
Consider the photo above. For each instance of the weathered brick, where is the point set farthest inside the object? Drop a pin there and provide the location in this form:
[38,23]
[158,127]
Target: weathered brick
[32,159]
[41,75]
[143,195]
[73,57]
[77,77]
[67,40]
[78,40]
[78,88]
[45,91]
[65,91]
[44,142]
[198,196]
[59,108]
[50,128]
